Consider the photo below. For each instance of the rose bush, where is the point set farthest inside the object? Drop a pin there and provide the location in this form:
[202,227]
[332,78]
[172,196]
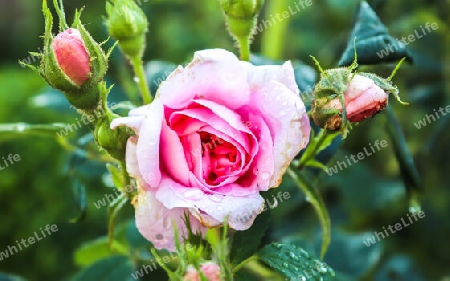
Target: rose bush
[219,132]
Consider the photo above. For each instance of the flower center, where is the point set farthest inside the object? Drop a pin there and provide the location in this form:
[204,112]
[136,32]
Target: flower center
[219,158]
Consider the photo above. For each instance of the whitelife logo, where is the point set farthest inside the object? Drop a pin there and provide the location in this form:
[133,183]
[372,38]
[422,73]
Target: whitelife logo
[397,226]
[31,240]
[334,170]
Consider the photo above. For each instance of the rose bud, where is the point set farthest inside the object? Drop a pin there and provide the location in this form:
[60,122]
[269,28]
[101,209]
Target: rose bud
[241,16]
[72,55]
[127,24]
[342,95]
[210,270]
[72,62]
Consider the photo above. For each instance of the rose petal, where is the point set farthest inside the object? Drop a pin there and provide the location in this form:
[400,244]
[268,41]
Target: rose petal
[154,221]
[173,156]
[284,115]
[214,75]
[148,147]
[259,76]
[134,123]
[241,210]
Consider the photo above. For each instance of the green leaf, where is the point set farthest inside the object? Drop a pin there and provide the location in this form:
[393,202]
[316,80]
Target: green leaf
[316,201]
[246,243]
[97,249]
[294,263]
[118,268]
[10,277]
[374,45]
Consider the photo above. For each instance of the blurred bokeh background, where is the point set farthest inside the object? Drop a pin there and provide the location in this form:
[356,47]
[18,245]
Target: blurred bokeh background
[46,185]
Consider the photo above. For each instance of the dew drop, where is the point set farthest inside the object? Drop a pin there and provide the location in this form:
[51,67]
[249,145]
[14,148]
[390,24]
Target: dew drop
[285,265]
[194,194]
[216,198]
[265,175]
[136,79]
[284,103]
[219,208]
[283,112]
[307,199]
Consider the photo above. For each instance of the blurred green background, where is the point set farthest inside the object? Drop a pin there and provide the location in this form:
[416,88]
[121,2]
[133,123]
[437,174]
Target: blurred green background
[44,186]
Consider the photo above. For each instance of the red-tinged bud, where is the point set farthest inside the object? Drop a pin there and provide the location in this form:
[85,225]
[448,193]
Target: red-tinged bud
[342,95]
[72,62]
[72,55]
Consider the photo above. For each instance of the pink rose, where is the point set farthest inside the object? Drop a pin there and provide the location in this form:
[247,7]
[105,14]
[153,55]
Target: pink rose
[209,269]
[72,56]
[219,132]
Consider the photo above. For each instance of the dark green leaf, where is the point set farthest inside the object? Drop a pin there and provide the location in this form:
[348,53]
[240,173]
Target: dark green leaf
[246,243]
[118,268]
[294,263]
[373,43]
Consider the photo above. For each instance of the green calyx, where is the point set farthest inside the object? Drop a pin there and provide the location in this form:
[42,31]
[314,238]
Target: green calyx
[127,23]
[86,96]
[112,141]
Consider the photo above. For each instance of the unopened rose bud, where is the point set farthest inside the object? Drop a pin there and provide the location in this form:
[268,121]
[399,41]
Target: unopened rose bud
[210,270]
[127,24]
[72,55]
[342,95]
[72,62]
[362,99]
[241,15]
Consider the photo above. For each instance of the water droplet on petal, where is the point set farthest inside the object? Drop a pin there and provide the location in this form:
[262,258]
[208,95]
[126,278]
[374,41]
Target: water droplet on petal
[283,112]
[216,198]
[193,194]
[265,175]
[219,208]
[284,103]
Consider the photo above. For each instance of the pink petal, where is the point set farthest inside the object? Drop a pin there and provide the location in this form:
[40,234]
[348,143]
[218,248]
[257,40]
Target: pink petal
[154,221]
[263,167]
[173,156]
[148,147]
[259,76]
[285,115]
[215,75]
[134,123]
[241,210]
